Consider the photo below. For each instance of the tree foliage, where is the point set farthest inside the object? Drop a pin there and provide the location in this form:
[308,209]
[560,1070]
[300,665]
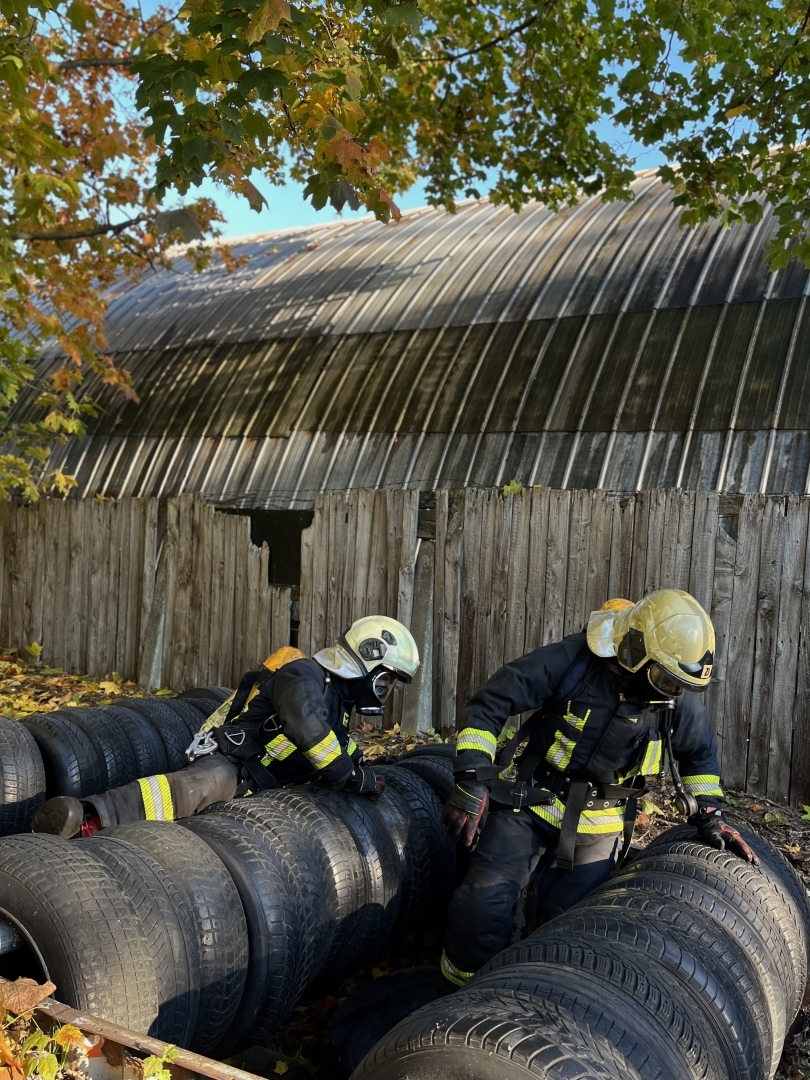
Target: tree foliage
[77,214]
[366,96]
[357,100]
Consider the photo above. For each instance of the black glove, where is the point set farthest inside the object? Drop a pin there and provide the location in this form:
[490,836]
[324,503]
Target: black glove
[365,782]
[714,832]
[465,811]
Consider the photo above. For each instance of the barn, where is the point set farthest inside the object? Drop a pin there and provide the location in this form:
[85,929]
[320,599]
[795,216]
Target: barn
[599,347]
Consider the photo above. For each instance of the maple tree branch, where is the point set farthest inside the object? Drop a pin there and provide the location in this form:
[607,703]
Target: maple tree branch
[492,43]
[79,234]
[95,62]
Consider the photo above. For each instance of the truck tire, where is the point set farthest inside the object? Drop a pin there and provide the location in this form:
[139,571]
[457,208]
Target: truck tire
[380,864]
[341,867]
[219,921]
[169,931]
[204,706]
[71,761]
[704,960]
[700,861]
[22,777]
[781,874]
[74,913]
[273,931]
[490,1036]
[440,750]
[215,693]
[172,730]
[112,745]
[426,810]
[413,855]
[146,743]
[191,717]
[651,1028]
[435,770]
[302,866]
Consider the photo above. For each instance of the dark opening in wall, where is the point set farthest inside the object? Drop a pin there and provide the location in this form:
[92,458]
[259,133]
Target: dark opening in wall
[281,531]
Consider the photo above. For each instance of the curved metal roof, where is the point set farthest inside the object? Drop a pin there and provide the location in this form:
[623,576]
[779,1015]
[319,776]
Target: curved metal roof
[601,346]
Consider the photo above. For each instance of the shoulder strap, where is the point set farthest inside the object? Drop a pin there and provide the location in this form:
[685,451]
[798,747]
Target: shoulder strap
[576,672]
[246,684]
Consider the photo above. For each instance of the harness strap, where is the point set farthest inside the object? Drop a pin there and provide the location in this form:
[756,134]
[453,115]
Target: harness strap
[575,804]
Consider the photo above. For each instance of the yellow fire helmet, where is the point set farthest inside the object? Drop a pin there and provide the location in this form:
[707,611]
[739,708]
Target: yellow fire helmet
[667,630]
[369,643]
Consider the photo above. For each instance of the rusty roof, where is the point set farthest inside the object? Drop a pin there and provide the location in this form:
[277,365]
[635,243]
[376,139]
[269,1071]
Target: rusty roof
[600,346]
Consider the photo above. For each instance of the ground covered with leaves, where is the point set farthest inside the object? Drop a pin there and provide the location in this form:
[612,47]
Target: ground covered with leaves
[26,687]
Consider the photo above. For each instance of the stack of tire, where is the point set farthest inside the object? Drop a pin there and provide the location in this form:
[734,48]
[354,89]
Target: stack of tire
[82,751]
[205,932]
[688,964]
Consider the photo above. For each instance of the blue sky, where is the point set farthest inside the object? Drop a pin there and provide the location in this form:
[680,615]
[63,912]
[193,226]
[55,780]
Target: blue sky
[287,208]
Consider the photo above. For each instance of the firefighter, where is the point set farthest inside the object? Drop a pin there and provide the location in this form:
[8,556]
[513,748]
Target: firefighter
[608,701]
[288,723]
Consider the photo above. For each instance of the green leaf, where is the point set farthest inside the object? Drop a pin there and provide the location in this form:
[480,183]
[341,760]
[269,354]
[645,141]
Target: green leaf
[267,18]
[776,819]
[806,814]
[409,14]
[185,82]
[48,1067]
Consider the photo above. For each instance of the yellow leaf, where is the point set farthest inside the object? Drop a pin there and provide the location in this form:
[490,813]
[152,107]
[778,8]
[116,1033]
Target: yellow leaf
[344,149]
[281,1067]
[110,687]
[738,110]
[34,649]
[267,18]
[374,751]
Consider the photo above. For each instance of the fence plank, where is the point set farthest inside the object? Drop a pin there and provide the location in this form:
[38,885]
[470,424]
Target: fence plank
[349,583]
[656,532]
[597,581]
[501,558]
[241,542]
[725,554]
[767,621]
[621,546]
[785,657]
[320,583]
[306,590]
[111,598]
[226,611]
[50,508]
[577,579]
[741,641]
[263,634]
[684,549]
[336,519]
[280,632]
[440,571]
[521,606]
[61,615]
[483,592]
[18,538]
[149,533]
[123,613]
[251,657]
[638,567]
[470,573]
[704,539]
[559,509]
[79,597]
[800,765]
[216,661]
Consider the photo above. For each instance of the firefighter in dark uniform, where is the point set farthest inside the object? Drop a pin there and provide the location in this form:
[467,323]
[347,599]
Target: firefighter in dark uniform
[288,723]
[609,700]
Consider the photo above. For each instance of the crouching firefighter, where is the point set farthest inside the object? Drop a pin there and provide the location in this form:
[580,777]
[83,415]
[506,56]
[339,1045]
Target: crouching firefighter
[288,723]
[608,701]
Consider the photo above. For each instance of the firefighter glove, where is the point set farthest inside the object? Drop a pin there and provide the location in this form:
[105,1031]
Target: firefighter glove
[365,782]
[465,811]
[714,832]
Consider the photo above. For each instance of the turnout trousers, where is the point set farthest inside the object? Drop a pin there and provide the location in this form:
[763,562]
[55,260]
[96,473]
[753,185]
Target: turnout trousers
[513,849]
[168,796]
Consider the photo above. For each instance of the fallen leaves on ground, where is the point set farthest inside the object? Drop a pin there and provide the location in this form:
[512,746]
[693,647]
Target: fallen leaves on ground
[31,687]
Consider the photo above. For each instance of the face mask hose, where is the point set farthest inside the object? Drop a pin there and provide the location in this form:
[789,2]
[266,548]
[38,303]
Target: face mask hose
[685,803]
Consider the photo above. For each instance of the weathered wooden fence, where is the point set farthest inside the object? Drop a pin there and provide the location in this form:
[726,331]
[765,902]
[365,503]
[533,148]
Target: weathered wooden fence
[496,577]
[171,594]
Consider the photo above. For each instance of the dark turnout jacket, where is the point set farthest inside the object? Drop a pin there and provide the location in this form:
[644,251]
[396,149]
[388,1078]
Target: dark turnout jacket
[302,714]
[604,732]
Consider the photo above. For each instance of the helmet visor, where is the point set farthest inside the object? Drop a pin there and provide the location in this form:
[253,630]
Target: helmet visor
[664,682]
[381,684]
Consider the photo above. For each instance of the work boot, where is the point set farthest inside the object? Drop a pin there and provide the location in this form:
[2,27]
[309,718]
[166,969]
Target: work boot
[63,816]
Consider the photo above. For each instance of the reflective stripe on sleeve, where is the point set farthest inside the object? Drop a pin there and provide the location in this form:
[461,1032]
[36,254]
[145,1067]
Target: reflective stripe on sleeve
[278,749]
[157,798]
[324,752]
[476,739]
[704,784]
[453,974]
[351,747]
